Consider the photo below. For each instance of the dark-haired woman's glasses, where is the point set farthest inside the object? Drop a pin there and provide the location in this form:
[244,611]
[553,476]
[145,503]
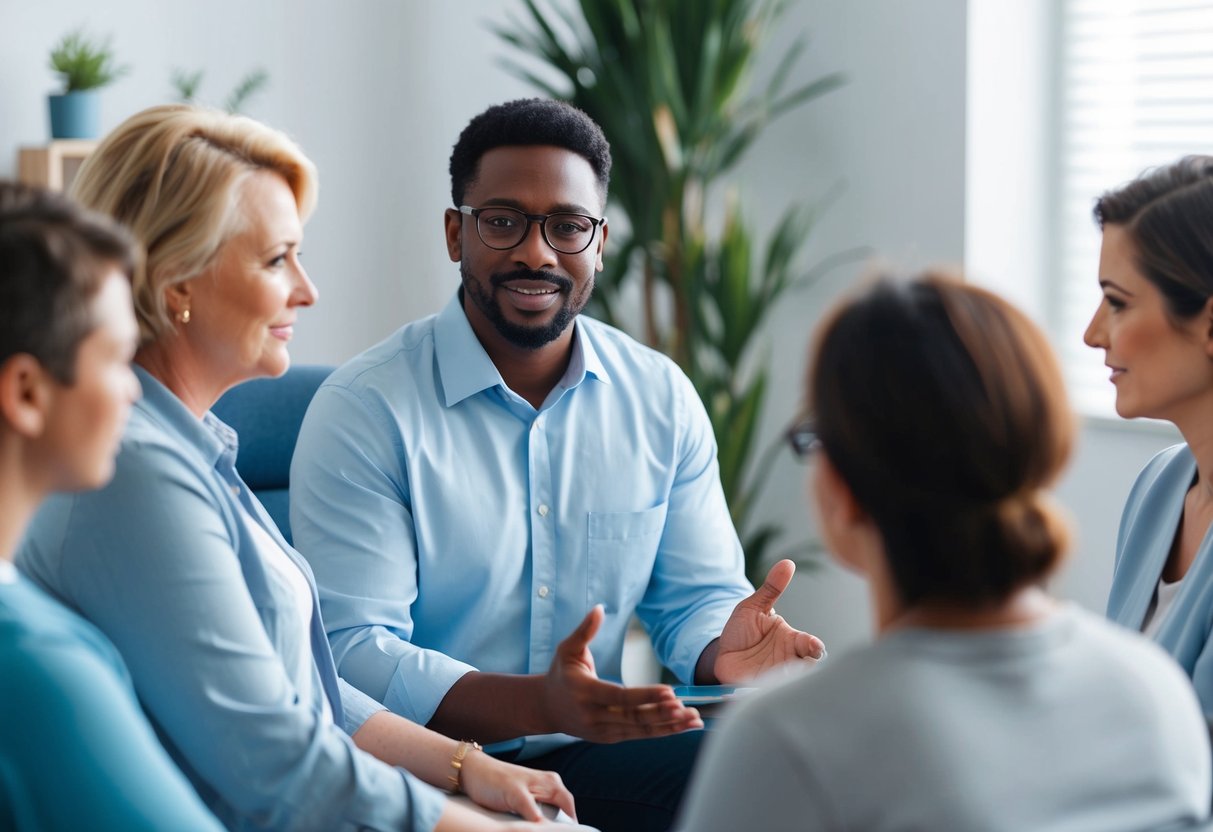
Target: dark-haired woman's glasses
[802,439]
[502,228]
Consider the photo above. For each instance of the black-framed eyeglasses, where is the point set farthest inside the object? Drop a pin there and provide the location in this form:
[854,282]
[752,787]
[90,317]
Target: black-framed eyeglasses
[502,228]
[802,438]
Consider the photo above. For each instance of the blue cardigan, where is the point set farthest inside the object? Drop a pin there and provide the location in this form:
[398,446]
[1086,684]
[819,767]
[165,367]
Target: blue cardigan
[163,561]
[1147,532]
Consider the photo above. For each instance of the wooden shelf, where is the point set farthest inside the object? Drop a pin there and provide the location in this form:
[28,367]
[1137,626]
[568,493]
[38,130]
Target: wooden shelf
[54,165]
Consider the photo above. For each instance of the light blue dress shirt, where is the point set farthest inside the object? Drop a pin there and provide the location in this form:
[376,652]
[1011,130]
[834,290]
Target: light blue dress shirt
[1147,532]
[163,561]
[452,526]
[75,750]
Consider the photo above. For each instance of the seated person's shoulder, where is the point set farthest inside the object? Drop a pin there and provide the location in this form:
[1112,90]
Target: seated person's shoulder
[396,363]
[47,651]
[633,364]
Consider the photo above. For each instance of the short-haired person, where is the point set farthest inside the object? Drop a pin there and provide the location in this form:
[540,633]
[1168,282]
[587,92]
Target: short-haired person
[179,564]
[939,417]
[1155,326]
[488,480]
[75,750]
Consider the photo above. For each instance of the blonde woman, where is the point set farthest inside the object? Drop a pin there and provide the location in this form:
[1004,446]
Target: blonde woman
[214,612]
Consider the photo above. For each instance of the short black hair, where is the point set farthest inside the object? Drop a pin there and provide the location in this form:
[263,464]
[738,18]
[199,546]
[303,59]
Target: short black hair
[528,121]
[53,257]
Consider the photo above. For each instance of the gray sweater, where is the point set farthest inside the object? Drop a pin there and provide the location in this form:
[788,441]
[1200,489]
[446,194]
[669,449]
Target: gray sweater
[1073,724]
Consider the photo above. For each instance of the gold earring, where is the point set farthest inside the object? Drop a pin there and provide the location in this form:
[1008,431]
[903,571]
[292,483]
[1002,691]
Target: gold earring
[184,317]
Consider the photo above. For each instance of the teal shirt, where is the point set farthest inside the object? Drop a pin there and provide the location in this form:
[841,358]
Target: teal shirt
[75,750]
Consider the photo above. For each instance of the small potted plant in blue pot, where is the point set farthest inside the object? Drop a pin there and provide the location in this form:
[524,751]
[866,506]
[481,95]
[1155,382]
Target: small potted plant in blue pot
[85,65]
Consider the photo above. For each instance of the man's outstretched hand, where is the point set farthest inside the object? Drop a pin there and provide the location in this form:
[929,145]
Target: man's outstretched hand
[756,639]
[579,703]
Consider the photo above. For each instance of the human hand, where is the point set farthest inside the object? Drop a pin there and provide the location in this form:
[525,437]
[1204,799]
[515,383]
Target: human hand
[577,702]
[461,816]
[509,788]
[756,639]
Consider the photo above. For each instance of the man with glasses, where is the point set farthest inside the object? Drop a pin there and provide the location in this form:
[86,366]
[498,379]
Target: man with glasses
[490,495]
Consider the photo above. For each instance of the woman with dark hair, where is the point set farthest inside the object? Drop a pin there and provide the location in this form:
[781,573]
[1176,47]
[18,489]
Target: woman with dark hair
[1155,326]
[939,419]
[75,750]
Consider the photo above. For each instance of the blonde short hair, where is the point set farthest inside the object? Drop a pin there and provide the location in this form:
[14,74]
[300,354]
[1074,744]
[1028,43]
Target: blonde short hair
[172,175]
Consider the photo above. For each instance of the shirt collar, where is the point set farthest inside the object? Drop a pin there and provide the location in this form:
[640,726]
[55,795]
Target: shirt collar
[211,437]
[465,369]
[8,572]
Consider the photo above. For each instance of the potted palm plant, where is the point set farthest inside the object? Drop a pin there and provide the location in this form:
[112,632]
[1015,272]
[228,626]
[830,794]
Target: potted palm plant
[84,65]
[671,83]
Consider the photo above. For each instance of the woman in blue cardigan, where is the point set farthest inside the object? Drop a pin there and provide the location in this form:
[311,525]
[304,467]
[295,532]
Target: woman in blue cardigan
[215,614]
[1155,326]
[75,750]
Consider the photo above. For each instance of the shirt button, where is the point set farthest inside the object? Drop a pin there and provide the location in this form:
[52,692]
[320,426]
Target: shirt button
[543,592]
[543,509]
[235,491]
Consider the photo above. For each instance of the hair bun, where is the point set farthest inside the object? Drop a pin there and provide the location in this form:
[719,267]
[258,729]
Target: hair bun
[1031,528]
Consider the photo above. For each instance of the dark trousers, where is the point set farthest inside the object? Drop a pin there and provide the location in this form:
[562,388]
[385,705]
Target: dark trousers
[634,786]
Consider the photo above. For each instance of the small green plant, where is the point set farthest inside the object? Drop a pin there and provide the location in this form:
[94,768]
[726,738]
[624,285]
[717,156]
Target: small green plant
[244,89]
[84,63]
[186,85]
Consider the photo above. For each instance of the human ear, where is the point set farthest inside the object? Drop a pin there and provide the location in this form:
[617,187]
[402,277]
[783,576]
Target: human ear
[1207,314]
[839,514]
[453,226]
[25,395]
[178,298]
[602,236]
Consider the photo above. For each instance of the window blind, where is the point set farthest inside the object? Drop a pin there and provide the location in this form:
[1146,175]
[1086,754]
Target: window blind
[1136,92]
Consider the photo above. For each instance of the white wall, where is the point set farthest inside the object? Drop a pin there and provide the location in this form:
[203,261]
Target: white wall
[376,92]
[895,135]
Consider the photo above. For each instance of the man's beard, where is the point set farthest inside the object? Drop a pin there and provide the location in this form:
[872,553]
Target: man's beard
[521,335]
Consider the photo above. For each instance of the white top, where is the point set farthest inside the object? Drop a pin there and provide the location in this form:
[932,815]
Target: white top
[8,572]
[1164,597]
[1074,724]
[298,659]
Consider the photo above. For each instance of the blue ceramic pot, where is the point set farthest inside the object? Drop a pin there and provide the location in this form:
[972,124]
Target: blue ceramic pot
[76,115]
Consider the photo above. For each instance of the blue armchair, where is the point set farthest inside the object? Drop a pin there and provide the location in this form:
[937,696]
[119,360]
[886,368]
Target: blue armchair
[267,414]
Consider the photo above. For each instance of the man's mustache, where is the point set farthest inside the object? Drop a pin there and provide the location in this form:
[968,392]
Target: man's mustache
[561,283]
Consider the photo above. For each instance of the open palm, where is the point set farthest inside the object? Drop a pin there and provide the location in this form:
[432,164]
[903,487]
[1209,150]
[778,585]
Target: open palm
[756,639]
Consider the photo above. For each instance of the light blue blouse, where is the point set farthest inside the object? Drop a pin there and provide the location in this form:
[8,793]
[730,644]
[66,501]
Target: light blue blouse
[75,750]
[453,526]
[1147,532]
[163,561]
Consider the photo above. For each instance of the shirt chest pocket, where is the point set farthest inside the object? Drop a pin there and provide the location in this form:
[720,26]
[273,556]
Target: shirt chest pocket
[622,550]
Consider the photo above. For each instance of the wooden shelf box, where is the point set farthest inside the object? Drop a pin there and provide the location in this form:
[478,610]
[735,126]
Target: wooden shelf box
[55,165]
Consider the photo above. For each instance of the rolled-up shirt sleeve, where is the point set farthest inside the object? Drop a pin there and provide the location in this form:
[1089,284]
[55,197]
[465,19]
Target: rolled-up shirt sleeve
[150,560]
[351,518]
